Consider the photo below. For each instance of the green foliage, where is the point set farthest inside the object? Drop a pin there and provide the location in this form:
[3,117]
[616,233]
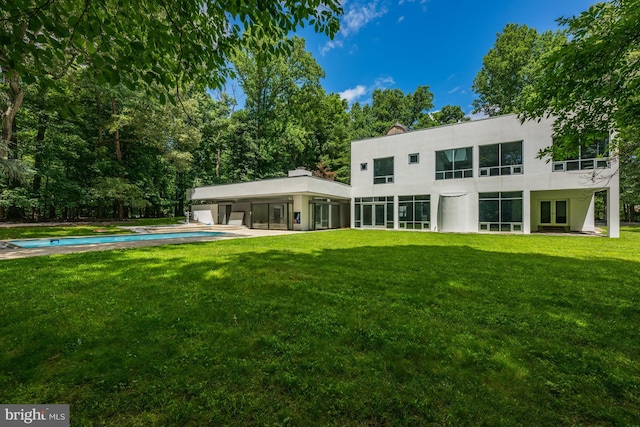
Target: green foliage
[149,42]
[391,106]
[510,66]
[288,120]
[448,115]
[335,328]
[592,81]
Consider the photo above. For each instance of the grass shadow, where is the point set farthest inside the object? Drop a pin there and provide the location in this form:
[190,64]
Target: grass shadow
[241,333]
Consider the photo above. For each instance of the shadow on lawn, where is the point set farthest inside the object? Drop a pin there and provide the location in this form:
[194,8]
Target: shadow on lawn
[369,335]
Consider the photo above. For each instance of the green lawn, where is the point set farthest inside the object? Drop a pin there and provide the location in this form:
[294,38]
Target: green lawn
[79,229]
[331,328]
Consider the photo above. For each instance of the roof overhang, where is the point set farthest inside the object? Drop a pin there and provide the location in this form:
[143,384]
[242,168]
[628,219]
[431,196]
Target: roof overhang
[272,188]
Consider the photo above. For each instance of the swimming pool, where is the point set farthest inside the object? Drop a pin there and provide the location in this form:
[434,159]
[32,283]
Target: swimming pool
[92,240]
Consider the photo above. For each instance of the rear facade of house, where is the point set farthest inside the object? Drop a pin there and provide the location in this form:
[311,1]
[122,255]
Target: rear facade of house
[480,176]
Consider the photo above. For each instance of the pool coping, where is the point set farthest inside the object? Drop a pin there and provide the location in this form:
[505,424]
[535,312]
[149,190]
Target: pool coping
[230,233]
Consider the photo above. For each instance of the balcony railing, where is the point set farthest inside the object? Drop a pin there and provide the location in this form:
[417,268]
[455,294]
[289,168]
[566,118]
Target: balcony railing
[502,170]
[581,164]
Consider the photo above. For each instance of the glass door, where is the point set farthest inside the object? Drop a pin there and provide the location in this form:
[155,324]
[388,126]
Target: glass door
[554,212]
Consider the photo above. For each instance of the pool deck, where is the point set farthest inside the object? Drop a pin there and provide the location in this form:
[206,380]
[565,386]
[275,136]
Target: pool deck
[232,233]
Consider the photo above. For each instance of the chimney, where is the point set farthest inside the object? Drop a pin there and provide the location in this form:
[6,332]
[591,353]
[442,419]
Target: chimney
[300,171]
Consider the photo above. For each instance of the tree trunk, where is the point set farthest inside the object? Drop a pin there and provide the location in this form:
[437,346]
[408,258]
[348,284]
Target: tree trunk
[16,96]
[116,136]
[42,128]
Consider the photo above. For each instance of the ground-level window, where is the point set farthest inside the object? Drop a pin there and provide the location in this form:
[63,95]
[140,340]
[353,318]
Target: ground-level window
[325,214]
[501,159]
[501,211]
[414,212]
[454,163]
[383,170]
[272,216]
[374,212]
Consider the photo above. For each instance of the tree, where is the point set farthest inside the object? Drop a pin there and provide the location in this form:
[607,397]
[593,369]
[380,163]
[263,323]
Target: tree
[148,43]
[592,81]
[388,107]
[449,114]
[392,105]
[511,65]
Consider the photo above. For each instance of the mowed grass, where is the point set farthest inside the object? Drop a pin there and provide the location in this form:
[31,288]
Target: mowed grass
[24,231]
[341,328]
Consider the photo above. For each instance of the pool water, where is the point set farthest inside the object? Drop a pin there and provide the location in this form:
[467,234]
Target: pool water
[72,241]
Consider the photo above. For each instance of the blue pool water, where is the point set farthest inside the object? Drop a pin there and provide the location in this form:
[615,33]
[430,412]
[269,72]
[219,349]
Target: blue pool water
[72,241]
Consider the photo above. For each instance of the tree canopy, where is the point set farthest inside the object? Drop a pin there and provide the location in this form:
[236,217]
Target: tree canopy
[592,81]
[148,43]
[510,66]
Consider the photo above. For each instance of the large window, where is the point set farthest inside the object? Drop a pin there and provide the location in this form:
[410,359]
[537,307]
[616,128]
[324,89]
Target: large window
[272,216]
[589,153]
[501,159]
[501,211]
[374,212]
[414,212]
[383,170]
[455,163]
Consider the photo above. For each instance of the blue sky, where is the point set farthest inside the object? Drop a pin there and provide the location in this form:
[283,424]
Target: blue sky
[407,43]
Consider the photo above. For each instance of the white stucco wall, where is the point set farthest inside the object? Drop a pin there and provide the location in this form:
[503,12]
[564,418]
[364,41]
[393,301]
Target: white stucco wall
[416,179]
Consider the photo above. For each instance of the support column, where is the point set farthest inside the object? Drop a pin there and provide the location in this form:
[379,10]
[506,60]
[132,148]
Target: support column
[613,211]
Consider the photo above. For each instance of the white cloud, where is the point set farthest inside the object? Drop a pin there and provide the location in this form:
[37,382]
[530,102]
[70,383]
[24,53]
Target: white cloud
[477,116]
[400,19]
[353,94]
[331,44]
[360,15]
[454,90]
[358,92]
[383,82]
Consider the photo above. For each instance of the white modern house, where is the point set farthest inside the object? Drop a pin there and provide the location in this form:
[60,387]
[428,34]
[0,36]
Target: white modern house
[478,176]
[297,202]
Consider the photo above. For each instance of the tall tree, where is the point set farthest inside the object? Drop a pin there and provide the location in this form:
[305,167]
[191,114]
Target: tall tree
[171,44]
[449,114]
[388,107]
[592,81]
[511,65]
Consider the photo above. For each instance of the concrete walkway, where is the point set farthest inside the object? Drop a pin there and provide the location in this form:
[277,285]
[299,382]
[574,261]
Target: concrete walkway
[231,233]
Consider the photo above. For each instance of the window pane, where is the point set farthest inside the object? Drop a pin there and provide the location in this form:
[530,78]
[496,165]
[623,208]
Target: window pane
[278,216]
[511,194]
[260,215]
[423,211]
[512,153]
[379,214]
[383,167]
[489,195]
[512,210]
[444,160]
[367,215]
[463,158]
[545,212]
[405,211]
[489,211]
[489,155]
[561,212]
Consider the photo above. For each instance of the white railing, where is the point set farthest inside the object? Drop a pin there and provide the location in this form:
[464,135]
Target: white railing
[581,164]
[502,170]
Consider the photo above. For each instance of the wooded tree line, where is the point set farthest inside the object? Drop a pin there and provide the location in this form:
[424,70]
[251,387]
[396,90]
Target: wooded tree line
[90,130]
